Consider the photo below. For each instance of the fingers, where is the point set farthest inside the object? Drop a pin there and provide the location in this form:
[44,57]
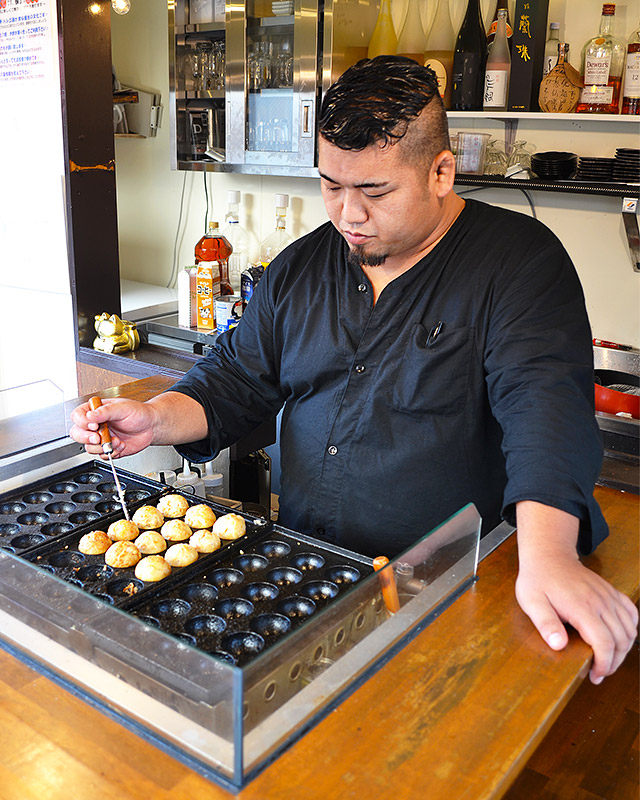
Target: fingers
[542,614]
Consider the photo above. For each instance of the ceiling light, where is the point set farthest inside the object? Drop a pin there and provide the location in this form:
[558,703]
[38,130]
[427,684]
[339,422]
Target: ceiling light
[121,6]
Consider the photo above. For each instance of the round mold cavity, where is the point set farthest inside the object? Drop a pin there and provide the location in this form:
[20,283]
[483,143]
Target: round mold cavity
[95,572]
[342,574]
[260,591]
[64,487]
[47,568]
[308,561]
[109,487]
[184,637]
[107,506]
[86,497]
[171,607]
[153,622]
[9,549]
[66,558]
[9,529]
[274,549]
[233,608]
[224,577]
[33,518]
[106,598]
[28,540]
[54,528]
[90,477]
[37,498]
[75,582]
[223,656]
[199,593]
[80,517]
[127,586]
[284,576]
[250,562]
[61,507]
[296,607]
[270,626]
[12,507]
[136,494]
[205,624]
[242,643]
[319,590]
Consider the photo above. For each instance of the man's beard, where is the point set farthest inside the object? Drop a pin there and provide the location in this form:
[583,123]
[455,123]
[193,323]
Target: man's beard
[359,258]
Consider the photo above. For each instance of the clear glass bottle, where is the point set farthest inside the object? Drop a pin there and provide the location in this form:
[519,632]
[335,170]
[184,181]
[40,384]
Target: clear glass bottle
[498,71]
[383,39]
[603,60]
[631,95]
[491,33]
[551,49]
[411,41]
[469,61]
[238,238]
[438,52]
[278,239]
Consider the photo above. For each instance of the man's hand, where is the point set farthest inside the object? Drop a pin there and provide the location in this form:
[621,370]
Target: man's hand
[169,418]
[554,587]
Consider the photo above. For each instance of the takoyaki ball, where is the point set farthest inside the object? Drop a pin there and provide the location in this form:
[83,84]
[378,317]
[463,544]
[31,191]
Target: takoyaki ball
[94,543]
[152,568]
[175,530]
[200,516]
[173,505]
[123,530]
[205,541]
[148,518]
[122,555]
[229,526]
[181,555]
[150,543]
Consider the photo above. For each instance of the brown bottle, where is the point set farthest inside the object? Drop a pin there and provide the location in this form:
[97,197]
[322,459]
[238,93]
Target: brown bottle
[213,246]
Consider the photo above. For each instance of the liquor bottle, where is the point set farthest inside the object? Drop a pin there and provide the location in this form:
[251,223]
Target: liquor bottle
[278,239]
[383,39]
[238,238]
[498,71]
[560,89]
[212,280]
[602,64]
[551,49]
[250,278]
[491,33]
[631,95]
[439,50]
[411,41]
[469,61]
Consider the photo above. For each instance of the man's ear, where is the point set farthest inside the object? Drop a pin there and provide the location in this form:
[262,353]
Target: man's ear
[443,172]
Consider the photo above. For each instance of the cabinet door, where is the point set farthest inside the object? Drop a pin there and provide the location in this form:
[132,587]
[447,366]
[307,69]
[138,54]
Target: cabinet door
[272,67]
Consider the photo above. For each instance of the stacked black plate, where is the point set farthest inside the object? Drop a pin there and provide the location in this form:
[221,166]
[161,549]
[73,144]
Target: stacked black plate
[595,169]
[553,165]
[626,166]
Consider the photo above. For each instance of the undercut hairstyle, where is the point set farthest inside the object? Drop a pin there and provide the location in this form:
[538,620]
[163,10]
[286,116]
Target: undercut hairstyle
[376,100]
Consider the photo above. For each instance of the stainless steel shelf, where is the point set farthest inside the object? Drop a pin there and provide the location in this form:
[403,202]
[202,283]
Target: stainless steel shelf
[566,187]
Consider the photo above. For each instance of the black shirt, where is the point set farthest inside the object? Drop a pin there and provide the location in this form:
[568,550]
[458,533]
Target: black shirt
[470,380]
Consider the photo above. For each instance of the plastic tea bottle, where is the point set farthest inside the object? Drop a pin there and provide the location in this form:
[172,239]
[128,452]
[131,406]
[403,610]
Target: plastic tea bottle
[239,240]
[631,96]
[411,41]
[469,61]
[212,280]
[278,239]
[551,49]
[383,39]
[498,71]
[439,50]
[603,60]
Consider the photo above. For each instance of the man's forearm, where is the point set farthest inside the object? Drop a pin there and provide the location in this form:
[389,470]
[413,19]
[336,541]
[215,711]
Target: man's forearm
[544,530]
[178,419]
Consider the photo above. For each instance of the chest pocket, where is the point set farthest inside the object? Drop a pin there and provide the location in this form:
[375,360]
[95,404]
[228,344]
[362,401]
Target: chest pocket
[433,377]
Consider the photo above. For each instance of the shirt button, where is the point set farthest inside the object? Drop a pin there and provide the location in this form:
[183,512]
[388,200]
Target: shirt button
[362,287]
[332,450]
[360,368]
[320,531]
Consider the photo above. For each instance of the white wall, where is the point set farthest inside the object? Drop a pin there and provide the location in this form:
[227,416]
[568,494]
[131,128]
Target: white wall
[149,192]
[36,311]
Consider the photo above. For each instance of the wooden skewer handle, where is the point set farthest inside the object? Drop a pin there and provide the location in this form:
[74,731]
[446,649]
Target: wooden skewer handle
[103,430]
[387,583]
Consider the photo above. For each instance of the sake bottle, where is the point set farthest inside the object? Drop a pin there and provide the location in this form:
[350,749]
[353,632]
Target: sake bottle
[412,42]
[383,40]
[439,50]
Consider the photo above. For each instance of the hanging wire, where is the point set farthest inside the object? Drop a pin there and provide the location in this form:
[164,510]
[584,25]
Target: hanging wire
[206,195]
[174,264]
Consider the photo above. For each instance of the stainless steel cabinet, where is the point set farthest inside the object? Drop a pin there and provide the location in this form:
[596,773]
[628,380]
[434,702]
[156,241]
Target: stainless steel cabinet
[246,79]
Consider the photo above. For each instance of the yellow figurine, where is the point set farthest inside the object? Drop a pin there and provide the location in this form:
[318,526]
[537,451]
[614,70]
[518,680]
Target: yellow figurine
[115,335]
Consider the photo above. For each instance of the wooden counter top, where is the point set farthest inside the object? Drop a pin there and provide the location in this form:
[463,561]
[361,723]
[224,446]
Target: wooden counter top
[455,714]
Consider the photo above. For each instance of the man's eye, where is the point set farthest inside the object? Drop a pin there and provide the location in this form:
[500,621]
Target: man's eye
[375,196]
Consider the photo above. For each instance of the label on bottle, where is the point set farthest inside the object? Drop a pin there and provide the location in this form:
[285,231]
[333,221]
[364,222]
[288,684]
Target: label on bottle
[597,95]
[441,74]
[494,27]
[550,62]
[495,88]
[596,71]
[632,76]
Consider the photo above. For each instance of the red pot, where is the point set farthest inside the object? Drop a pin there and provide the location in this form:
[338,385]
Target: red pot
[612,401]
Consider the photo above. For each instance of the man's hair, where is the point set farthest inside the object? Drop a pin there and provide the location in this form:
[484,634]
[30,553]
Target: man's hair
[375,101]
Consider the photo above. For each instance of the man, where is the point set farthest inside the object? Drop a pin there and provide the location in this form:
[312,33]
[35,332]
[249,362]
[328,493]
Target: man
[427,351]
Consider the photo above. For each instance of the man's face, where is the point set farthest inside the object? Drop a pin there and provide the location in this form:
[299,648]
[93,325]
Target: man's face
[379,201]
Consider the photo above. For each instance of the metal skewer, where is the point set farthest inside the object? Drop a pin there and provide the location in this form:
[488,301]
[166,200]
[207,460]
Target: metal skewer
[107,449]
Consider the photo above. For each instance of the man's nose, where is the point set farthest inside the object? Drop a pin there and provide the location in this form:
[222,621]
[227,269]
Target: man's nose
[354,211]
